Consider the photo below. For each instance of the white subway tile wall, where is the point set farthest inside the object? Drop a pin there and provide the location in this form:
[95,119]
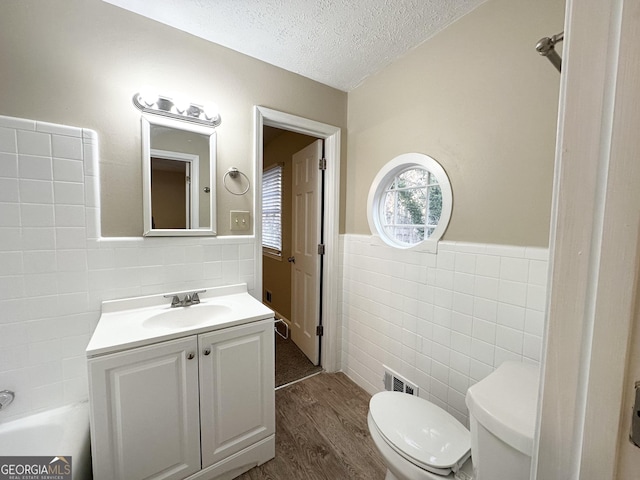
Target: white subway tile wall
[445,320]
[56,269]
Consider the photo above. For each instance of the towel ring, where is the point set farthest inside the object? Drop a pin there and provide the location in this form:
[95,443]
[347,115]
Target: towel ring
[233,172]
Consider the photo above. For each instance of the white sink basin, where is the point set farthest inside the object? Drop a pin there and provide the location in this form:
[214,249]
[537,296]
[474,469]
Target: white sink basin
[139,321]
[185,317]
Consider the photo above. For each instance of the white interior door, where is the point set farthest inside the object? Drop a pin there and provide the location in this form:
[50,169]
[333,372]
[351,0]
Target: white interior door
[305,261]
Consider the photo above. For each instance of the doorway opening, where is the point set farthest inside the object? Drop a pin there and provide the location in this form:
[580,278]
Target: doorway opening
[174,190]
[328,281]
[292,228]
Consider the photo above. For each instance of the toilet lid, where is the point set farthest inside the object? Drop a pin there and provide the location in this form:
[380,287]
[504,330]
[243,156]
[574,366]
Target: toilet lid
[420,431]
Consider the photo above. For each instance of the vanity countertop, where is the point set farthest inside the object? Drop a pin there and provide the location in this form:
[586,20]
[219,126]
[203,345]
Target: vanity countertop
[139,321]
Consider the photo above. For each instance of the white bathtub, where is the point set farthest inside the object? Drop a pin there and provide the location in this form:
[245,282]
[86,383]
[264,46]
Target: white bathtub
[60,432]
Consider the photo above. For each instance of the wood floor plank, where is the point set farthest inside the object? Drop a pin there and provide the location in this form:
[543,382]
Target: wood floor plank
[349,399]
[350,441]
[320,458]
[349,406]
[321,433]
[286,464]
[291,402]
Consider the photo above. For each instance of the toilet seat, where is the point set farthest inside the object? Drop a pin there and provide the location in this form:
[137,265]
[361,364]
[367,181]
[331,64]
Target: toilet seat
[421,432]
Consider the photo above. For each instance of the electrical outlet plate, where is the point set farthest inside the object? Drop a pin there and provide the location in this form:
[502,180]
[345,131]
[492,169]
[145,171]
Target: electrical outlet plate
[239,221]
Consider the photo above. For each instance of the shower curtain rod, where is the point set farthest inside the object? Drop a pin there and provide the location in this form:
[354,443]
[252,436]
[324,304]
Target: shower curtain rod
[545,47]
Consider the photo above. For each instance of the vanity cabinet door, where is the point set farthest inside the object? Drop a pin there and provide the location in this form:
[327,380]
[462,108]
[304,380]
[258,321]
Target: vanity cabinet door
[237,397]
[144,412]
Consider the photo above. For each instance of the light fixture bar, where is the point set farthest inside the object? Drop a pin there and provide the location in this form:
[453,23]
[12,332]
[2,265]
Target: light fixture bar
[168,107]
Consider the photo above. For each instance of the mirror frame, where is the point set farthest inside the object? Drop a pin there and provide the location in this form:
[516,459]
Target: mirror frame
[146,122]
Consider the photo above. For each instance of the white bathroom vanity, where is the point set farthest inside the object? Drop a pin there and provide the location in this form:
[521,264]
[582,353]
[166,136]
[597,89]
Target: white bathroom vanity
[182,392]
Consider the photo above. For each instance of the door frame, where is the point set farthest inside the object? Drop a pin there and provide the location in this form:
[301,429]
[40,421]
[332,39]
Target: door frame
[192,161]
[583,419]
[264,116]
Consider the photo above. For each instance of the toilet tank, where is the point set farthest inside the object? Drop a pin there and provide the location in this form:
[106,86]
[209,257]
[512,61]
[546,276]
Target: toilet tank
[502,414]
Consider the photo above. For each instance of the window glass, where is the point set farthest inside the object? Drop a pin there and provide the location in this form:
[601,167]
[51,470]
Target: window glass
[272,210]
[410,201]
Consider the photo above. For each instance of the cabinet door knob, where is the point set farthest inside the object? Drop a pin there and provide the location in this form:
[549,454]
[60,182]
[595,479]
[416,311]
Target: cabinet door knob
[207,351]
[191,356]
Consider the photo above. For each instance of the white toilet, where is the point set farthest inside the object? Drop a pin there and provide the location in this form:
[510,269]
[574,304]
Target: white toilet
[420,441]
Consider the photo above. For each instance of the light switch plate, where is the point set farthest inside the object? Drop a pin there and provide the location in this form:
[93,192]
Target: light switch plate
[239,221]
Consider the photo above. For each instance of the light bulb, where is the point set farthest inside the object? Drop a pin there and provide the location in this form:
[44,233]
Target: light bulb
[148,96]
[211,111]
[181,103]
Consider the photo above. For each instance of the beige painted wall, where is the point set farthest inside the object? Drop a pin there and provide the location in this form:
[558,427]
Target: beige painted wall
[79,62]
[480,100]
[276,274]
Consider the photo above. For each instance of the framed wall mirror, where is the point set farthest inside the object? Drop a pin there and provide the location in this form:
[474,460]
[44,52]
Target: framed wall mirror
[179,177]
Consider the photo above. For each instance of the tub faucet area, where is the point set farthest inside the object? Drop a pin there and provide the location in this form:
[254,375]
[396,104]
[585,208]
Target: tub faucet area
[191,298]
[6,397]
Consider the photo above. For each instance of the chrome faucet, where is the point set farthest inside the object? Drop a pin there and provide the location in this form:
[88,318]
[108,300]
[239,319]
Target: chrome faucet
[189,299]
[6,397]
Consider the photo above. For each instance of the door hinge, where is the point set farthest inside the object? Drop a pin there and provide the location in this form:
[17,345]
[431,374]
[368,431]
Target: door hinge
[319,330]
[322,164]
[321,249]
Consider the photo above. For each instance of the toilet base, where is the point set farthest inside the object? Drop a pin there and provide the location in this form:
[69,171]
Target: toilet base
[495,458]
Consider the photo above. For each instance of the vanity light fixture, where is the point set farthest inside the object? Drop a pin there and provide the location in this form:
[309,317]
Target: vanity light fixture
[178,108]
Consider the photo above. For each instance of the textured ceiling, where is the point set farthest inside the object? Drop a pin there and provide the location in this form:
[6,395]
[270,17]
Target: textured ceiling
[335,42]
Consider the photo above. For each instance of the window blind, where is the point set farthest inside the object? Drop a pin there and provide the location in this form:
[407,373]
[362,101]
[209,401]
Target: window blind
[272,209]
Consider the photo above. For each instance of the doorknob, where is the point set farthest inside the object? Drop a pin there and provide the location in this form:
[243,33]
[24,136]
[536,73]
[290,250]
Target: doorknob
[291,259]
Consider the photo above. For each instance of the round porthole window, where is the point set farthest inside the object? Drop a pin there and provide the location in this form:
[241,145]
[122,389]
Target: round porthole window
[410,202]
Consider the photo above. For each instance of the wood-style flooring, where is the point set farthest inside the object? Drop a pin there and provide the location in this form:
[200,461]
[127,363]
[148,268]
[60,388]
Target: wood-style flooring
[321,433]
